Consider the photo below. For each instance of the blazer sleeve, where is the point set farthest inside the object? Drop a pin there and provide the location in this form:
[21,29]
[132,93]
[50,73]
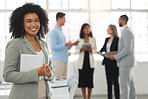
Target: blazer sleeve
[11,71]
[127,43]
[52,72]
[114,45]
[94,47]
[50,65]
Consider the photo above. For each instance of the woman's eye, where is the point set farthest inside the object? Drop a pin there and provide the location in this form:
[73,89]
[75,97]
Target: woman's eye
[28,21]
[37,21]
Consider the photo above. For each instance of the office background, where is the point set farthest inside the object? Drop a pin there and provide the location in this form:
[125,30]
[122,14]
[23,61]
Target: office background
[99,14]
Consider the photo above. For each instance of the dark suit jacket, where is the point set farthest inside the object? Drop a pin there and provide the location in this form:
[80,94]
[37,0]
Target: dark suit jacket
[114,47]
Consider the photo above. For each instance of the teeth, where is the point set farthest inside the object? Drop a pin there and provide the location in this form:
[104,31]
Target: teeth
[33,29]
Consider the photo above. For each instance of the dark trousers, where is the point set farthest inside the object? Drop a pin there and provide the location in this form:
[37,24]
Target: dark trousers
[112,75]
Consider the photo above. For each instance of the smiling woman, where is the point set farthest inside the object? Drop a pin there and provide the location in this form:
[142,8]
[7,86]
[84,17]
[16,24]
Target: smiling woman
[31,24]
[28,25]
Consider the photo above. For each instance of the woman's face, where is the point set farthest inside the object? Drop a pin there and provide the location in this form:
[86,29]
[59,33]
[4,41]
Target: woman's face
[109,31]
[87,30]
[31,24]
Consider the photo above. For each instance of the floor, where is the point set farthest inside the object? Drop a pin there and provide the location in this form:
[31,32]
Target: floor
[105,97]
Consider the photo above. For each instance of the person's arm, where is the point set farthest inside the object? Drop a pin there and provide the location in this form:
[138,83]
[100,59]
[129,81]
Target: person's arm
[50,78]
[127,43]
[94,47]
[78,47]
[54,42]
[11,71]
[49,73]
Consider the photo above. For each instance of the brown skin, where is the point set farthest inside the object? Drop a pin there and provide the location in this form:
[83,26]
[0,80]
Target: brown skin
[32,26]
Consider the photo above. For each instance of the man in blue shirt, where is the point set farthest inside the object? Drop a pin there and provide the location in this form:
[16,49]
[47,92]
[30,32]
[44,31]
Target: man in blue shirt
[59,47]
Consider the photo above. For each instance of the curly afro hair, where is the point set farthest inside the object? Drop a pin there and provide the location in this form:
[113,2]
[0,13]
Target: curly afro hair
[17,19]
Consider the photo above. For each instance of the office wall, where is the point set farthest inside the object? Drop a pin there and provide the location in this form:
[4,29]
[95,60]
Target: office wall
[140,75]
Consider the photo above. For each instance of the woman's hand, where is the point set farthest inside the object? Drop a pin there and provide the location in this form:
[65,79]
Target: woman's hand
[44,70]
[98,52]
[47,71]
[89,49]
[82,49]
[41,70]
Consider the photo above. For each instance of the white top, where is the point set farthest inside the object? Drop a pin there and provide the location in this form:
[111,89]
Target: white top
[108,46]
[42,54]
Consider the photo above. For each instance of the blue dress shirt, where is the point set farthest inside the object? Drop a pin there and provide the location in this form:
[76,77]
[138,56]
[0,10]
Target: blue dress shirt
[58,48]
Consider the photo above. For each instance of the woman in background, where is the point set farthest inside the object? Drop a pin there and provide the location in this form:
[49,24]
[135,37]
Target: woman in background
[111,69]
[28,25]
[86,60]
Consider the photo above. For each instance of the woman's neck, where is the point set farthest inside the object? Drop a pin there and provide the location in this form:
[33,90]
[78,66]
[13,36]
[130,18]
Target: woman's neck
[86,36]
[111,36]
[30,38]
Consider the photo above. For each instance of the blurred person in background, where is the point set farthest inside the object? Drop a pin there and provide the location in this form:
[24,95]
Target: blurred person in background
[59,47]
[86,61]
[125,58]
[111,69]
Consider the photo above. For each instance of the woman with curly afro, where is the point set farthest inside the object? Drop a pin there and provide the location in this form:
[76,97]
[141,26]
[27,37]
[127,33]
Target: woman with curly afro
[28,24]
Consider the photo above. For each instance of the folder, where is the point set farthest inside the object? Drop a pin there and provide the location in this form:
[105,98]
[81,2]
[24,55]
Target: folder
[30,62]
[86,45]
[109,53]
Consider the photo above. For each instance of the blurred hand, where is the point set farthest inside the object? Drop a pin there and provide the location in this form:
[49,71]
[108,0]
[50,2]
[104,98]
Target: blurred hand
[47,70]
[82,49]
[44,70]
[76,43]
[89,49]
[111,57]
[98,52]
[41,70]
[69,43]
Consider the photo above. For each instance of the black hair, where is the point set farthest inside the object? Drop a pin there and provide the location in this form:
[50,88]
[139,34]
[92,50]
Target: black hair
[82,31]
[124,17]
[60,15]
[16,22]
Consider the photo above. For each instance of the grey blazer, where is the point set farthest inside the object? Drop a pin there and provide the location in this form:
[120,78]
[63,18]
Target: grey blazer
[25,84]
[125,55]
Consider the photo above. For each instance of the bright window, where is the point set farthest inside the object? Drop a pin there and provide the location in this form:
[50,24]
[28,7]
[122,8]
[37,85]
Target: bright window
[98,13]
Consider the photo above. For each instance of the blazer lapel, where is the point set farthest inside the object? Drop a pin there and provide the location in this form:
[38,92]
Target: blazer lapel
[28,45]
[111,46]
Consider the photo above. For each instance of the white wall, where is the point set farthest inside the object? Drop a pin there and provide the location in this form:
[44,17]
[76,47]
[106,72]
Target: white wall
[140,76]
[141,80]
